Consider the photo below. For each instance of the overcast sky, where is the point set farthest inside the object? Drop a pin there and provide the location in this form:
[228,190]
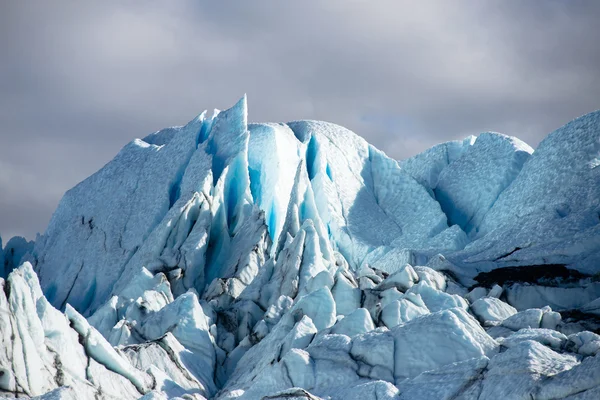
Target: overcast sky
[79,80]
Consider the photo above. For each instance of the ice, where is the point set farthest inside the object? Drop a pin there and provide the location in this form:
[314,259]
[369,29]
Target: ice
[101,351]
[403,279]
[585,343]
[572,381]
[44,352]
[274,155]
[476,294]
[373,390]
[531,318]
[550,319]
[449,329]
[374,351]
[333,365]
[431,277]
[96,225]
[14,254]
[468,187]
[388,259]
[518,372]
[146,292]
[593,307]
[200,180]
[26,339]
[230,260]
[248,253]
[563,161]
[549,213]
[319,306]
[452,381]
[62,393]
[524,296]
[186,320]
[300,336]
[258,361]
[163,357]
[2,266]
[547,337]
[313,262]
[346,294]
[347,178]
[492,311]
[427,166]
[402,310]
[114,385]
[436,300]
[302,365]
[496,291]
[357,322]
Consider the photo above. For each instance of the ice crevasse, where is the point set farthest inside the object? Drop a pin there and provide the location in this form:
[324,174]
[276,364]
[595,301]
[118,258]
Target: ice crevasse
[232,260]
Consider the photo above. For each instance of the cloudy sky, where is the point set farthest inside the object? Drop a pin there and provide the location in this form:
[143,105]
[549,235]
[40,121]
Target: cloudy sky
[79,80]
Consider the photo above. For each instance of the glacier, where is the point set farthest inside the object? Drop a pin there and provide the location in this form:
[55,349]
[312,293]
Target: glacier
[232,260]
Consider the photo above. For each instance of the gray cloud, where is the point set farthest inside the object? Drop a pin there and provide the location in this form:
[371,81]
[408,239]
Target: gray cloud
[79,80]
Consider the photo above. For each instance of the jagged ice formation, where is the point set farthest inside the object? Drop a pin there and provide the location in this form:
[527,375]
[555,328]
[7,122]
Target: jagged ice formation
[231,260]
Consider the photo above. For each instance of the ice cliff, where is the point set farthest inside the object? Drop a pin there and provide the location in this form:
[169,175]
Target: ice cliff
[230,260]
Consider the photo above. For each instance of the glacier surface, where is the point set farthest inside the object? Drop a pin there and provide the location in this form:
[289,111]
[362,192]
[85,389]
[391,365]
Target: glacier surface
[233,260]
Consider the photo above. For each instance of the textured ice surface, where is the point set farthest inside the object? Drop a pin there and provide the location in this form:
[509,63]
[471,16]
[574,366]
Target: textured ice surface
[230,260]
[41,350]
[427,166]
[549,213]
[15,251]
[467,188]
[491,311]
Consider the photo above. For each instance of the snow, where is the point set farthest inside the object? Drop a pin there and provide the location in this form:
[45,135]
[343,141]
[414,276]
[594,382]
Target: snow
[229,260]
